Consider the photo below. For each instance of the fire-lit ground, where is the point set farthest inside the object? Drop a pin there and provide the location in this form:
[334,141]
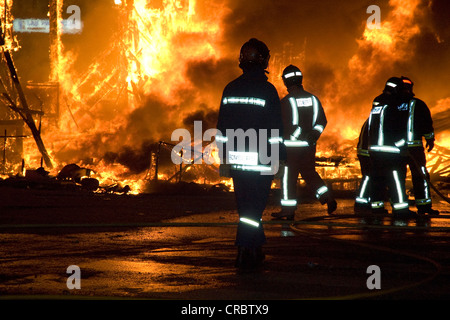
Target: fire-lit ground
[182,247]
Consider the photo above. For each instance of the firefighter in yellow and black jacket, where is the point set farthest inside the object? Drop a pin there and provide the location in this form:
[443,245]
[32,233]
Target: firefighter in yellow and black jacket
[250,121]
[304,121]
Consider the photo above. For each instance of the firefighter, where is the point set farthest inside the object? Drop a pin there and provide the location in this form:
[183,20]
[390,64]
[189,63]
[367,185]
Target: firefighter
[363,196]
[420,125]
[250,104]
[304,121]
[362,200]
[387,135]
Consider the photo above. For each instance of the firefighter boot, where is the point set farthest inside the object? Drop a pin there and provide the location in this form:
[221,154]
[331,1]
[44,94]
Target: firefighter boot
[404,214]
[257,257]
[328,198]
[331,205]
[361,209]
[249,258]
[284,213]
[427,209]
[242,257]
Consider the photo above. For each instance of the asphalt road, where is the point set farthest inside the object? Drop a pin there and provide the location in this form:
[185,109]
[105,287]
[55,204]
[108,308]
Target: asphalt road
[181,248]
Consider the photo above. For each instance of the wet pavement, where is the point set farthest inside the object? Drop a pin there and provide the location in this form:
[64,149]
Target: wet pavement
[142,252]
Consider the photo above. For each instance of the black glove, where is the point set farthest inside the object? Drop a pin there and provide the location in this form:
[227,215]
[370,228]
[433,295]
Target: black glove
[312,137]
[430,144]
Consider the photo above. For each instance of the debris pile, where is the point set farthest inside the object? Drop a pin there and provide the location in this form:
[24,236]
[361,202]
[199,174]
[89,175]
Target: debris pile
[70,177]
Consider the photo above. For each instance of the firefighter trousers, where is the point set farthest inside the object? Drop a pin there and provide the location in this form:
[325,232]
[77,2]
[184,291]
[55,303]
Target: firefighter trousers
[363,193]
[388,171]
[301,160]
[251,191]
[419,175]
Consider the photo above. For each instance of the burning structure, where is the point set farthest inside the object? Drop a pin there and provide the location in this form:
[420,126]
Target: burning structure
[106,82]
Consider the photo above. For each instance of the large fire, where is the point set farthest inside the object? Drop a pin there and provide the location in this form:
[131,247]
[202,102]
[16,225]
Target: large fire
[114,113]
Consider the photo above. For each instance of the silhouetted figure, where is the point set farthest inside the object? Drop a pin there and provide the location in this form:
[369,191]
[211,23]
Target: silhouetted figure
[304,121]
[420,126]
[387,142]
[362,200]
[251,104]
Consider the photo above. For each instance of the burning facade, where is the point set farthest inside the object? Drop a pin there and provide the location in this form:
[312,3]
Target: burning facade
[108,81]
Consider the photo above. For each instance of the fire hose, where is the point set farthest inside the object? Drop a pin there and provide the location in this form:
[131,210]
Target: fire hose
[364,295]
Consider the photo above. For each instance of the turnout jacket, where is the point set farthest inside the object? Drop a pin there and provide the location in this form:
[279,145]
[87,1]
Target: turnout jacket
[420,123]
[362,148]
[250,107]
[303,118]
[396,123]
[388,123]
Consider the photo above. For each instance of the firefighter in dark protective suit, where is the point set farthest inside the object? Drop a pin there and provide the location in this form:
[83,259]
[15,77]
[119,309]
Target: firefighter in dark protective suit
[363,195]
[304,121]
[387,142]
[420,125]
[249,122]
[362,201]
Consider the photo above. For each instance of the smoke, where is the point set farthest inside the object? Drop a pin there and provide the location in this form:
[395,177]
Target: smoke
[344,63]
[137,160]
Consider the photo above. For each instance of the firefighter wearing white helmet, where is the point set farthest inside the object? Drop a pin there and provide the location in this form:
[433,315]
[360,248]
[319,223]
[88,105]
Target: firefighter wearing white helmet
[304,121]
[250,104]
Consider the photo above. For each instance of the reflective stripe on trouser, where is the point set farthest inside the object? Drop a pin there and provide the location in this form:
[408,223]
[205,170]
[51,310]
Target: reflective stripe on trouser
[363,192]
[289,191]
[301,160]
[363,195]
[419,173]
[388,171]
[251,191]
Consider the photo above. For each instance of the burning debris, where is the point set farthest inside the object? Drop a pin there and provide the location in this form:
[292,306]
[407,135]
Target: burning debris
[112,91]
[70,177]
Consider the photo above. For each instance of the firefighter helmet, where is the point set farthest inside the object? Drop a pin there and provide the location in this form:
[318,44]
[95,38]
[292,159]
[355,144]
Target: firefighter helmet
[407,86]
[393,85]
[292,76]
[254,52]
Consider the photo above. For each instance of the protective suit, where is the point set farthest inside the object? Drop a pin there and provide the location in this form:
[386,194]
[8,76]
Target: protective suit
[249,139]
[304,121]
[420,125]
[387,142]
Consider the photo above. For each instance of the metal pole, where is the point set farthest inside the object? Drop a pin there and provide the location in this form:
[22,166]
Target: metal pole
[4,154]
